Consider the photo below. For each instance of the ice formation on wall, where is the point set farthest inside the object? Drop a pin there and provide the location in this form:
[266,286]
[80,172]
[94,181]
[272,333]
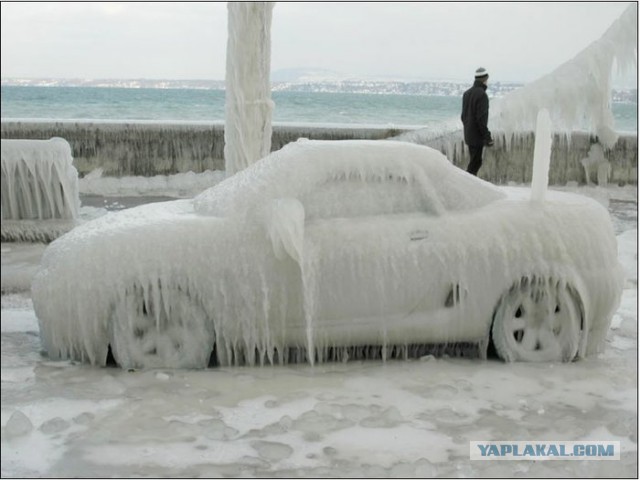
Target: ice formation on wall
[148,149]
[597,161]
[378,248]
[578,90]
[248,105]
[541,156]
[510,158]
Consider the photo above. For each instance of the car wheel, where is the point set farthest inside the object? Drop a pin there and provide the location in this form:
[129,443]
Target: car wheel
[160,328]
[537,320]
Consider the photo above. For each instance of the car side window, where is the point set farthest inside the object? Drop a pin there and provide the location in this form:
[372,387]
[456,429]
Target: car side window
[356,197]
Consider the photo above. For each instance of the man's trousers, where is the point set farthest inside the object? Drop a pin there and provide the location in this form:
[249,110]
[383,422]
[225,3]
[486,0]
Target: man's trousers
[476,159]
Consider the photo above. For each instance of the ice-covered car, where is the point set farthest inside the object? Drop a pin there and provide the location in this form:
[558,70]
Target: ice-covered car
[326,249]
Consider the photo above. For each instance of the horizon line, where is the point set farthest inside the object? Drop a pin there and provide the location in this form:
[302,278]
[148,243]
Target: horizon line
[327,80]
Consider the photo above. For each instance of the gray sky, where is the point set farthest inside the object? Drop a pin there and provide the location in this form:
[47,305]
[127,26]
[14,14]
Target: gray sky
[420,40]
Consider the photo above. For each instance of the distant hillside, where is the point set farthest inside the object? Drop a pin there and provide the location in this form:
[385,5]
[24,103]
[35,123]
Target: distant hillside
[305,80]
[114,83]
[298,81]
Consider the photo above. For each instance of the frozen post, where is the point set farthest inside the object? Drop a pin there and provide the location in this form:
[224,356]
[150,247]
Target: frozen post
[541,156]
[247,133]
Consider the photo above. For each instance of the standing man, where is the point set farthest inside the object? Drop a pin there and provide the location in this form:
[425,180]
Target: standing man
[475,115]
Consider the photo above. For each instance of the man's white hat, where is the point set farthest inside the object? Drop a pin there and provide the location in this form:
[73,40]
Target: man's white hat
[482,72]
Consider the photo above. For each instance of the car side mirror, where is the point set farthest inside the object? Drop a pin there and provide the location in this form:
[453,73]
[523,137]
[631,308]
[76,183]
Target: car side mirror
[285,227]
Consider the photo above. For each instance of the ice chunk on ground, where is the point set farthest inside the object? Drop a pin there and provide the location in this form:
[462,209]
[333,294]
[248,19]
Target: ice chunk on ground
[217,430]
[55,425]
[355,412]
[272,451]
[18,425]
[389,418]
[317,424]
[84,418]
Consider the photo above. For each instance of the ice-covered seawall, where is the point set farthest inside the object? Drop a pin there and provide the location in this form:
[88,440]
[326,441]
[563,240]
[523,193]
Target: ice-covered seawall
[152,148]
[511,157]
[147,148]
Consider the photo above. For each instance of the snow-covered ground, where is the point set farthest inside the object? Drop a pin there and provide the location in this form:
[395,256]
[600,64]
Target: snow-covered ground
[361,419]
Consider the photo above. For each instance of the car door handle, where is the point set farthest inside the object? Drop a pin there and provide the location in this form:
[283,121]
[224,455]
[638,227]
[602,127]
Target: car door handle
[418,235]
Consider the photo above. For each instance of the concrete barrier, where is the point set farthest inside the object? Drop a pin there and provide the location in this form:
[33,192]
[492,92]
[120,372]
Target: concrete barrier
[153,148]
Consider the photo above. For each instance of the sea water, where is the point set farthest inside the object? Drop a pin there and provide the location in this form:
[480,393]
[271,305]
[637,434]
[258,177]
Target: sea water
[84,103]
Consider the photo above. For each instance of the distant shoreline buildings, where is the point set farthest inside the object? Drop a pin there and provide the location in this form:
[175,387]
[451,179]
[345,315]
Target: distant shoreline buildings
[374,87]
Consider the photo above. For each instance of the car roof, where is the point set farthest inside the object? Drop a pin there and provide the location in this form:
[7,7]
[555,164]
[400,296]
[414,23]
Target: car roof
[300,166]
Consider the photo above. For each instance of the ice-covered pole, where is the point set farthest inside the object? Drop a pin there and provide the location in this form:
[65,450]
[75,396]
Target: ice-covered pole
[541,156]
[248,108]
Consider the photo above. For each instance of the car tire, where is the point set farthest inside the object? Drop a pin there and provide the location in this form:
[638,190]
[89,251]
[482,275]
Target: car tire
[160,328]
[538,320]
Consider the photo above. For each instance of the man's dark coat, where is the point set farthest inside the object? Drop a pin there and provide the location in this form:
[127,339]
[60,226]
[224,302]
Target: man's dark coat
[475,115]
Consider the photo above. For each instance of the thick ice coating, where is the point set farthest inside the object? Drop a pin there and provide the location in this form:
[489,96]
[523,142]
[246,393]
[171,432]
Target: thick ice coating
[333,250]
[579,91]
[541,156]
[39,183]
[248,104]
[577,96]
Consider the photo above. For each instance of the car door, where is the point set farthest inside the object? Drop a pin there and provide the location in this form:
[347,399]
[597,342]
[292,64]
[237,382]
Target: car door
[372,270]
